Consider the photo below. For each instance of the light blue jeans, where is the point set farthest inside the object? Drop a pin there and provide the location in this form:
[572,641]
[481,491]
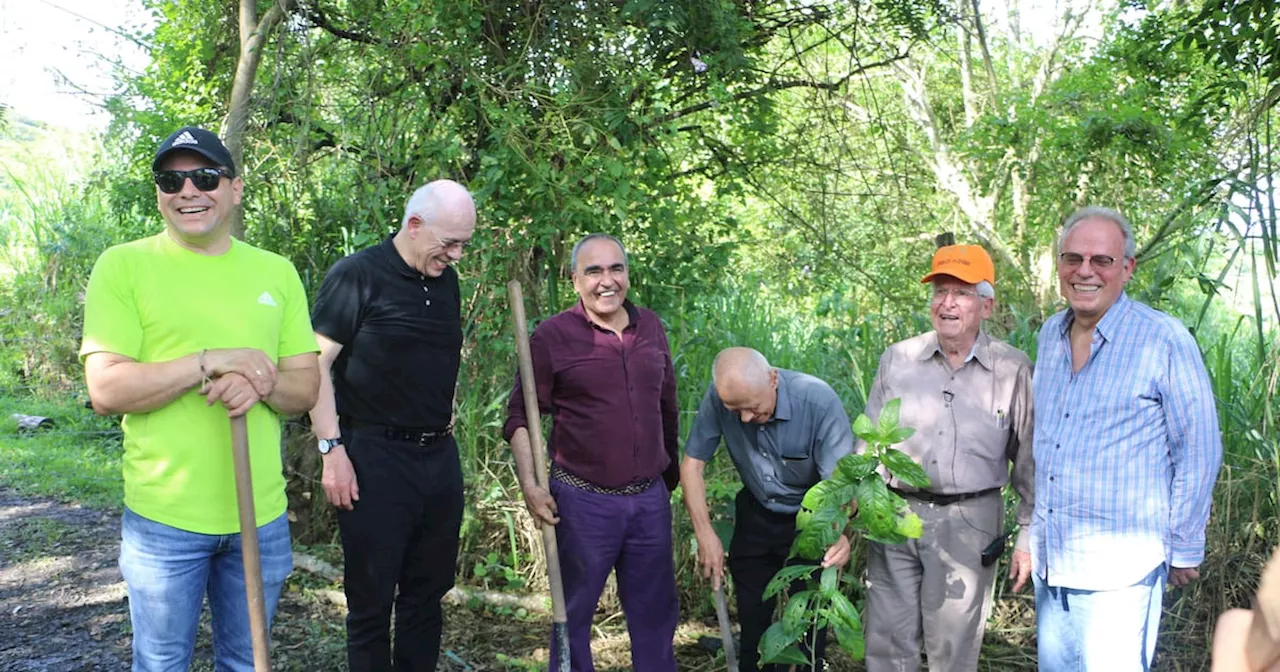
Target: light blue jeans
[1099,630]
[169,571]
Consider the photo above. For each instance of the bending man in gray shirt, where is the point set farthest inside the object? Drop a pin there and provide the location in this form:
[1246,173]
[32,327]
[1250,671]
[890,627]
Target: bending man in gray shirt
[785,431]
[968,396]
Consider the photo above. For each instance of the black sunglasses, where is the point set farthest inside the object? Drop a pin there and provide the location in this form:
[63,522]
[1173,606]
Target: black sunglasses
[205,179]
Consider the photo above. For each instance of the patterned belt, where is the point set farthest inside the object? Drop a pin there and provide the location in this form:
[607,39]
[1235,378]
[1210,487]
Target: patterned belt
[583,484]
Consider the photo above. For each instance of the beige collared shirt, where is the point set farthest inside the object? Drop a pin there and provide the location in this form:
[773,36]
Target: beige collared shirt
[970,422]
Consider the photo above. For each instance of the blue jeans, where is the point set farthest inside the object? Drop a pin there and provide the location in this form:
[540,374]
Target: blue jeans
[1099,630]
[169,571]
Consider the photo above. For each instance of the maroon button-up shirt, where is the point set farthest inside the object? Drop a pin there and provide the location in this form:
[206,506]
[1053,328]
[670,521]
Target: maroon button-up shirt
[612,401]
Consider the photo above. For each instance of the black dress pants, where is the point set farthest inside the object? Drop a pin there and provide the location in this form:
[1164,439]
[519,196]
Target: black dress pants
[402,534]
[761,541]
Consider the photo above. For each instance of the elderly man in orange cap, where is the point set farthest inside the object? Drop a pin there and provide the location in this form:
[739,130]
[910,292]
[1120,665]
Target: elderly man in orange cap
[968,396]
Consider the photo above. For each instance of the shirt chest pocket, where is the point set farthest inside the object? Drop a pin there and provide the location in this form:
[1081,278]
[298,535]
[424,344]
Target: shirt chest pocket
[797,465]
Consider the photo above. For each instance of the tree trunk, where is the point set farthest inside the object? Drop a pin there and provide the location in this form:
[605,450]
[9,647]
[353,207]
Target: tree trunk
[253,36]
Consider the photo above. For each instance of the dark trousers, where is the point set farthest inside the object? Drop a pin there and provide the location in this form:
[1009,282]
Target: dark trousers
[761,541]
[403,533]
[629,535]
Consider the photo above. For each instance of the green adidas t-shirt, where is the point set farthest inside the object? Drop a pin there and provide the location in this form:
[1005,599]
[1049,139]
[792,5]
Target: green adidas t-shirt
[153,301]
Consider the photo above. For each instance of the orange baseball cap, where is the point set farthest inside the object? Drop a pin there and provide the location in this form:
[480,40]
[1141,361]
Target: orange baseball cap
[969,263]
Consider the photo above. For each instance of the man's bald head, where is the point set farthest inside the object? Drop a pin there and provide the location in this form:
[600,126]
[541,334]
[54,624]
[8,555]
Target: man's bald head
[439,221]
[441,200]
[745,383]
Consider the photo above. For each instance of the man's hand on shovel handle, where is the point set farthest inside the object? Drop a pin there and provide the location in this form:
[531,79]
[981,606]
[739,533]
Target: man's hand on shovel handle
[541,505]
[711,558]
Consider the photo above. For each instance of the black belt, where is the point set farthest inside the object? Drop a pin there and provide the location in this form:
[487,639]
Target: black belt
[583,484]
[418,435]
[943,500]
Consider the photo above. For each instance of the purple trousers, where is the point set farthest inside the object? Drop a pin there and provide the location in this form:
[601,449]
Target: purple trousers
[632,534]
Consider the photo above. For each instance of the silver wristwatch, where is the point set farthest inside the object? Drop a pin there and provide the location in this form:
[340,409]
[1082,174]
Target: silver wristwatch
[326,445]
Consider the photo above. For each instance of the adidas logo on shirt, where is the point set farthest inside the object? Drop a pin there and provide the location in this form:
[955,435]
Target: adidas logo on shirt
[265,299]
[186,139]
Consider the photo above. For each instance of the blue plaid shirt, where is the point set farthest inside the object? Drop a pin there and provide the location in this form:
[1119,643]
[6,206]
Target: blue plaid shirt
[1126,451]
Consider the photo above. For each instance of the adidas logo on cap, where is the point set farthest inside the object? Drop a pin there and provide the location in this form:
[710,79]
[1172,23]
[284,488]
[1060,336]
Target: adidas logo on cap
[184,139]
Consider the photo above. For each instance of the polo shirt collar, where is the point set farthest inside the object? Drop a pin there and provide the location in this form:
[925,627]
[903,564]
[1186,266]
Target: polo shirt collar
[782,408]
[393,258]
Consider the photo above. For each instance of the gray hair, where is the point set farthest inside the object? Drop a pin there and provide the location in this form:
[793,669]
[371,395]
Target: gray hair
[418,203]
[573,256]
[752,367]
[436,199]
[985,290]
[1096,212]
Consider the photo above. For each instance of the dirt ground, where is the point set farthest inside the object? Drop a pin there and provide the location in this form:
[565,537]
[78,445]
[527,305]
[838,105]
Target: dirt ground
[63,607]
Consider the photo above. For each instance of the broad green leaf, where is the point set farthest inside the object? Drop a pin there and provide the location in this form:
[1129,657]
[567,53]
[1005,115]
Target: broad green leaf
[795,616]
[819,532]
[901,434]
[827,495]
[785,577]
[889,417]
[862,427]
[906,469]
[792,655]
[855,467]
[850,640]
[909,525]
[830,582]
[876,508]
[774,642]
[846,612]
[817,494]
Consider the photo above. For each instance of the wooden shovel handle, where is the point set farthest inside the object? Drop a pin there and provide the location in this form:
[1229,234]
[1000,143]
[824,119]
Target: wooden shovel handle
[533,424]
[249,546]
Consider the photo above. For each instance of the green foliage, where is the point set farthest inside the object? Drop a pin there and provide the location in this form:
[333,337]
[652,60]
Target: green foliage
[824,514]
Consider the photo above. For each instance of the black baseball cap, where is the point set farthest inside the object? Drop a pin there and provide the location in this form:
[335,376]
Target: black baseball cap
[198,140]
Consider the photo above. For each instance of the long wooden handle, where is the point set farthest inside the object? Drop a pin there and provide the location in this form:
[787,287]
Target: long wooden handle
[249,546]
[533,424]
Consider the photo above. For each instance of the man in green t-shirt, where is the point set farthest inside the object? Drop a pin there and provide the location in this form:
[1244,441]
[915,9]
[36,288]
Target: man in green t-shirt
[182,329]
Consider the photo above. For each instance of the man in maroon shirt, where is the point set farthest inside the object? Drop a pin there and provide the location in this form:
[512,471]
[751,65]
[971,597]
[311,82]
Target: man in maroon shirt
[604,374]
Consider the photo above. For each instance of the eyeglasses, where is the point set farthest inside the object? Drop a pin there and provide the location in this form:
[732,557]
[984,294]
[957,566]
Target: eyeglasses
[940,294]
[1073,260]
[204,179]
[449,244]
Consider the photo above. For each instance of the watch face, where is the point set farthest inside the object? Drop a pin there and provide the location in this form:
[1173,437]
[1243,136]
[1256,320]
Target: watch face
[325,445]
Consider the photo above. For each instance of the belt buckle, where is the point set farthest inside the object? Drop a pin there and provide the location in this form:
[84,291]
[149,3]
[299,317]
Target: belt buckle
[425,439]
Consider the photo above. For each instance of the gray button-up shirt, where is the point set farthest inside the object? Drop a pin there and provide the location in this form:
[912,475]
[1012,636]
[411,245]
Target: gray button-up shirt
[970,422]
[781,459]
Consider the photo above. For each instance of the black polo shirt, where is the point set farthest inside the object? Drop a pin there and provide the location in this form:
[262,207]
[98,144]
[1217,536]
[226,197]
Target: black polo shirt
[401,336]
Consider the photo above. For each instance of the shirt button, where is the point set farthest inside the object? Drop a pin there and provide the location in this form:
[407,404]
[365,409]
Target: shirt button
[428,302]
[1050,479]
[1067,415]
[768,478]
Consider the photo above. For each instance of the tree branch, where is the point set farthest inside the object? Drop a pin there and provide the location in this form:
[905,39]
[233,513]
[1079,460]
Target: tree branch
[774,86]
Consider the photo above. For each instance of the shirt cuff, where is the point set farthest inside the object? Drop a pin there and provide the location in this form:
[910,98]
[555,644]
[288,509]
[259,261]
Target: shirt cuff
[1186,557]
